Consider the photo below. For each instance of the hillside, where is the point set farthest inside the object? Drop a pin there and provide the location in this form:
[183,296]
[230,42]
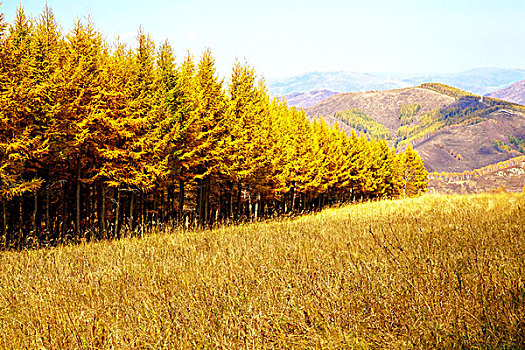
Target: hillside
[452,130]
[434,272]
[508,176]
[308,99]
[512,93]
[463,147]
[383,106]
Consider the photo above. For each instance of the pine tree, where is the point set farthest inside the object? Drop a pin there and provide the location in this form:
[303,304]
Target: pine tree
[182,102]
[388,172]
[79,81]
[15,84]
[362,167]
[123,128]
[327,156]
[246,146]
[23,145]
[208,128]
[300,155]
[415,176]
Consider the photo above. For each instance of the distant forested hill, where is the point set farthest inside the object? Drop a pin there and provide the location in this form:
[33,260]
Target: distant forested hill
[453,130]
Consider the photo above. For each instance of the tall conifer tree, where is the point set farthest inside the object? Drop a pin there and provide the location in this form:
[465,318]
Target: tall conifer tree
[415,176]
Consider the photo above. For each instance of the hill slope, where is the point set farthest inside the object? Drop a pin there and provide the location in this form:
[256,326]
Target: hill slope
[508,175]
[452,130]
[383,106]
[308,99]
[512,93]
[463,147]
[372,275]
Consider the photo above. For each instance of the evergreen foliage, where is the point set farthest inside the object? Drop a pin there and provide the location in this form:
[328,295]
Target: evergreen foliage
[98,139]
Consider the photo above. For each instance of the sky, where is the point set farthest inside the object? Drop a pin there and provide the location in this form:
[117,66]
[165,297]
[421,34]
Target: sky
[281,38]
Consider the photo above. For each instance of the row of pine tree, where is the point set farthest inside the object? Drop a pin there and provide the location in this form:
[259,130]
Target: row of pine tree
[99,139]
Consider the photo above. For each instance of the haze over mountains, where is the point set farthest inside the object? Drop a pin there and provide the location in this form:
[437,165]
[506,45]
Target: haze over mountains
[481,81]
[512,93]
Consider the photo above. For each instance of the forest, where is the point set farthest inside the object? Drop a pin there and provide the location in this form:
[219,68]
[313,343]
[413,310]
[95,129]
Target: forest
[99,138]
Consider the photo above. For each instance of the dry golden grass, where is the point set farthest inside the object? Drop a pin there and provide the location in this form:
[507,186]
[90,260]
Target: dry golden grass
[430,272]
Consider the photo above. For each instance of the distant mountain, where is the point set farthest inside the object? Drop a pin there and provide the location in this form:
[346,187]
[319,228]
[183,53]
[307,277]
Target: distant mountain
[479,81]
[513,93]
[308,99]
[453,130]
[333,81]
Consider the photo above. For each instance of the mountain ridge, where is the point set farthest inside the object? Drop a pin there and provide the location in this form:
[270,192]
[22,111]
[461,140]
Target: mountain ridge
[512,93]
[453,130]
[480,81]
[308,99]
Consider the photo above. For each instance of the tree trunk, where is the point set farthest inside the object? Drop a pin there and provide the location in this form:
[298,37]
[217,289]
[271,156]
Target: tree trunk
[142,212]
[77,201]
[230,200]
[48,224]
[64,212]
[131,203]
[155,214]
[239,192]
[4,225]
[117,211]
[207,185]
[181,199]
[33,216]
[102,211]
[88,211]
[77,209]
[168,209]
[256,209]
[262,207]
[161,205]
[249,206]
[21,219]
[200,202]
[293,197]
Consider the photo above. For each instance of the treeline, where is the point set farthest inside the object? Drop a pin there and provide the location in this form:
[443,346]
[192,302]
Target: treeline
[460,94]
[96,140]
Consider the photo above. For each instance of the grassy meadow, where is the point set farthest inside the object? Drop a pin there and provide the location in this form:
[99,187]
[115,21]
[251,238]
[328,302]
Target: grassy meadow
[427,272]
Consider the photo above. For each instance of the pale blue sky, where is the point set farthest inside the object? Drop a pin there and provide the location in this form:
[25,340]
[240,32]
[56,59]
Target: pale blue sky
[283,38]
